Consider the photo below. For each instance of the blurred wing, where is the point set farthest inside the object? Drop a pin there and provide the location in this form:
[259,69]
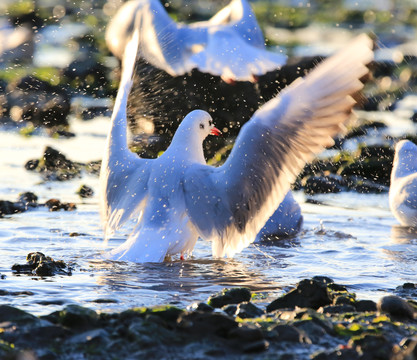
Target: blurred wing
[123,175]
[239,16]
[230,204]
[164,43]
[229,56]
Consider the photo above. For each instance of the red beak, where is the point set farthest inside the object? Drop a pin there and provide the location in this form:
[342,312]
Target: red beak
[215,131]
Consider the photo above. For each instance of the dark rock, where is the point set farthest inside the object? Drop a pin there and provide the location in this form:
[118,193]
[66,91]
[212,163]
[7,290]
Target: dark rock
[204,324]
[229,296]
[322,185]
[308,293]
[15,293]
[96,336]
[343,300]
[365,186]
[312,329]
[201,306]
[41,265]
[323,279]
[9,208]
[395,306]
[372,346]
[28,199]
[257,346]
[54,166]
[407,290]
[78,317]
[289,333]
[85,191]
[248,310]
[336,287]
[339,354]
[337,309]
[56,205]
[365,305]
[31,99]
[14,315]
[246,334]
[230,309]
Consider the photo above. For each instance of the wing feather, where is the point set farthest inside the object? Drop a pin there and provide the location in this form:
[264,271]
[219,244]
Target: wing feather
[271,150]
[123,175]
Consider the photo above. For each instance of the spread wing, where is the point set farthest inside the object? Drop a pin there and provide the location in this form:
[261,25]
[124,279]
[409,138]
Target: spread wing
[230,44]
[123,175]
[230,204]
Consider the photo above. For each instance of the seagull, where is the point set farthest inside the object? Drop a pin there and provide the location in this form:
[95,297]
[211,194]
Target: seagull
[403,188]
[177,198]
[230,45]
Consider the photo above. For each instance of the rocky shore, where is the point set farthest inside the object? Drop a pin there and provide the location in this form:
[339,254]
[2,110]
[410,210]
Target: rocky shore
[317,319]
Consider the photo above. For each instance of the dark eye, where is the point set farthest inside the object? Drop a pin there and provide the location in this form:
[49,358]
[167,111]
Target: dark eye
[210,122]
[201,126]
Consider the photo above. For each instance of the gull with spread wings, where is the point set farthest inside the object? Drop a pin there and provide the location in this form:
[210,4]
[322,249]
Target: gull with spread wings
[178,198]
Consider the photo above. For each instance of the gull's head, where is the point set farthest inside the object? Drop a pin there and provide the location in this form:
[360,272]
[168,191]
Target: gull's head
[200,124]
[405,150]
[405,159]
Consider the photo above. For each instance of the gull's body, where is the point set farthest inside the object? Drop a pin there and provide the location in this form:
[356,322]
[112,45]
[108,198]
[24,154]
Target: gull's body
[230,44]
[178,198]
[403,188]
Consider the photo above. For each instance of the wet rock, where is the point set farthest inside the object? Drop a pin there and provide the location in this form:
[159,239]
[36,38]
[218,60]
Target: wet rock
[312,329]
[289,333]
[28,199]
[15,293]
[54,165]
[372,346]
[374,163]
[78,317]
[407,290]
[365,186]
[337,309]
[56,205]
[8,208]
[230,309]
[25,201]
[204,324]
[308,293]
[42,265]
[229,296]
[248,310]
[395,306]
[365,305]
[36,101]
[14,315]
[92,337]
[323,185]
[85,192]
[339,354]
[256,346]
[201,306]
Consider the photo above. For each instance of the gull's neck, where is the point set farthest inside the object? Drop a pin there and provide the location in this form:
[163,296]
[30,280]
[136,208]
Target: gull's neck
[187,146]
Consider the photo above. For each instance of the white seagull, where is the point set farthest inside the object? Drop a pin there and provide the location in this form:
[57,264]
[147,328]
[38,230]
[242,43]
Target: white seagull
[230,44]
[178,198]
[403,188]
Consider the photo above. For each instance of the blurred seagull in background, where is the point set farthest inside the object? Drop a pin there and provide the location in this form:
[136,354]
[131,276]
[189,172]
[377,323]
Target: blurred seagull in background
[230,44]
[403,188]
[177,198]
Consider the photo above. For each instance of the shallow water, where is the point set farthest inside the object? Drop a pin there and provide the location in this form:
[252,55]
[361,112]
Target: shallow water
[352,238]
